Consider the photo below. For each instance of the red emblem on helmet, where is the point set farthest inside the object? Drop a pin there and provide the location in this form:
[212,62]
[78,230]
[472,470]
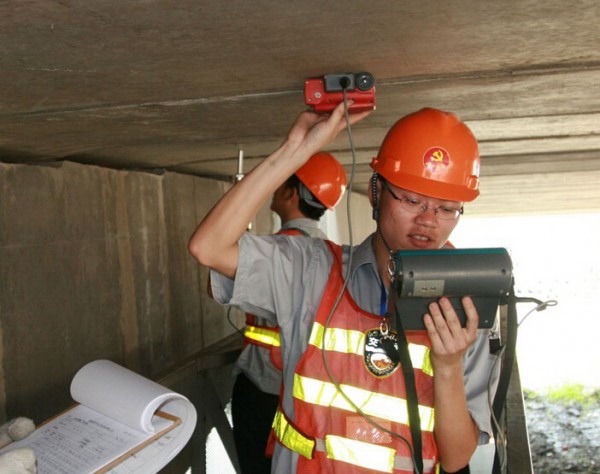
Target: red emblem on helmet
[436,159]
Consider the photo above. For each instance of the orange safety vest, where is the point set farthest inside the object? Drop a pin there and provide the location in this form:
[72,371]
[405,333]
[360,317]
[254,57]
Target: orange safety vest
[266,335]
[328,431]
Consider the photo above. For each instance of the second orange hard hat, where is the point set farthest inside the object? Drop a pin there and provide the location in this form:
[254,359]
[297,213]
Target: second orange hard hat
[324,177]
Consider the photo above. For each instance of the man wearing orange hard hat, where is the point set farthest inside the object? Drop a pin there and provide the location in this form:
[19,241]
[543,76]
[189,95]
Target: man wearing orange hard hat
[300,202]
[343,410]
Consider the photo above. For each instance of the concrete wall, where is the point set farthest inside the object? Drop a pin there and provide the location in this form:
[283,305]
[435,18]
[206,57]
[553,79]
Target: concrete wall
[94,264]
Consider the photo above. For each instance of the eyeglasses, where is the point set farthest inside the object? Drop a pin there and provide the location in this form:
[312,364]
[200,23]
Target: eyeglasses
[415,206]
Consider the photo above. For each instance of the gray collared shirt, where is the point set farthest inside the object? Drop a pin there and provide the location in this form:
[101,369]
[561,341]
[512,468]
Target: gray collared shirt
[255,362]
[283,278]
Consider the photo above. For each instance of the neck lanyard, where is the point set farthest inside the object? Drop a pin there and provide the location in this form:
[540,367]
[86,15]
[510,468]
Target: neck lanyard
[383,301]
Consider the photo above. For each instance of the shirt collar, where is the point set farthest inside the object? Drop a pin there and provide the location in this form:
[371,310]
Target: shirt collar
[301,222]
[363,258]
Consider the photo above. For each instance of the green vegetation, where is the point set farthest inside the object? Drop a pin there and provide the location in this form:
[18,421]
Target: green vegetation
[567,394]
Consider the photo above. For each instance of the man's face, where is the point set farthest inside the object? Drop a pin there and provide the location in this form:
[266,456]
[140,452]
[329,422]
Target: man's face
[405,226]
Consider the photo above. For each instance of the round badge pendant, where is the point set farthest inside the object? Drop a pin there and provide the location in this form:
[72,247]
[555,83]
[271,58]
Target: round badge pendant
[376,359]
[436,159]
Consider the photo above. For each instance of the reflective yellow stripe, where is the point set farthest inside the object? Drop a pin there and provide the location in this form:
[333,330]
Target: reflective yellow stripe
[263,335]
[380,405]
[359,453]
[292,438]
[368,455]
[348,341]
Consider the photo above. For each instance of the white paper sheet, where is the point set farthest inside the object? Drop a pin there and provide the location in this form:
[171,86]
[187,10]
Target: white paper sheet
[116,413]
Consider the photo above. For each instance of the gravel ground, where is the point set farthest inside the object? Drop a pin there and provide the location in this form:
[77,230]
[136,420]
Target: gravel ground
[564,437]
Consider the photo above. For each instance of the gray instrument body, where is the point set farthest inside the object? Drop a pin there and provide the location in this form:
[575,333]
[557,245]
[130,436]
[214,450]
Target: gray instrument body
[424,276]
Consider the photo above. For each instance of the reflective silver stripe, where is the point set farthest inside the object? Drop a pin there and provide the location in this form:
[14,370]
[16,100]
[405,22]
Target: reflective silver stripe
[367,455]
[264,335]
[349,341]
[380,405]
[290,437]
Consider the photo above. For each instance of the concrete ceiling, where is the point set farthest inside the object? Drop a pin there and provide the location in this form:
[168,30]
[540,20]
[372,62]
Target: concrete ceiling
[184,85]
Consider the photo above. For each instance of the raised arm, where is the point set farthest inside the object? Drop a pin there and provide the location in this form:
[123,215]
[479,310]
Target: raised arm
[215,241]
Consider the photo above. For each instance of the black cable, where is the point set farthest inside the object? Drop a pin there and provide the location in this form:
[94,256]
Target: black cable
[231,322]
[541,305]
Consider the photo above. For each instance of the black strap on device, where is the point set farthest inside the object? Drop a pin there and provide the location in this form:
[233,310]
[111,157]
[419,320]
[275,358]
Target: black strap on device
[499,404]
[412,399]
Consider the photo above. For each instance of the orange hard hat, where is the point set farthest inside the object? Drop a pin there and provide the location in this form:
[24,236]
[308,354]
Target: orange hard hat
[324,177]
[431,152]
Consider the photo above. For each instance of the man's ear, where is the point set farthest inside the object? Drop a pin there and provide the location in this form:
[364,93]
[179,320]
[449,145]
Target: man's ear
[291,193]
